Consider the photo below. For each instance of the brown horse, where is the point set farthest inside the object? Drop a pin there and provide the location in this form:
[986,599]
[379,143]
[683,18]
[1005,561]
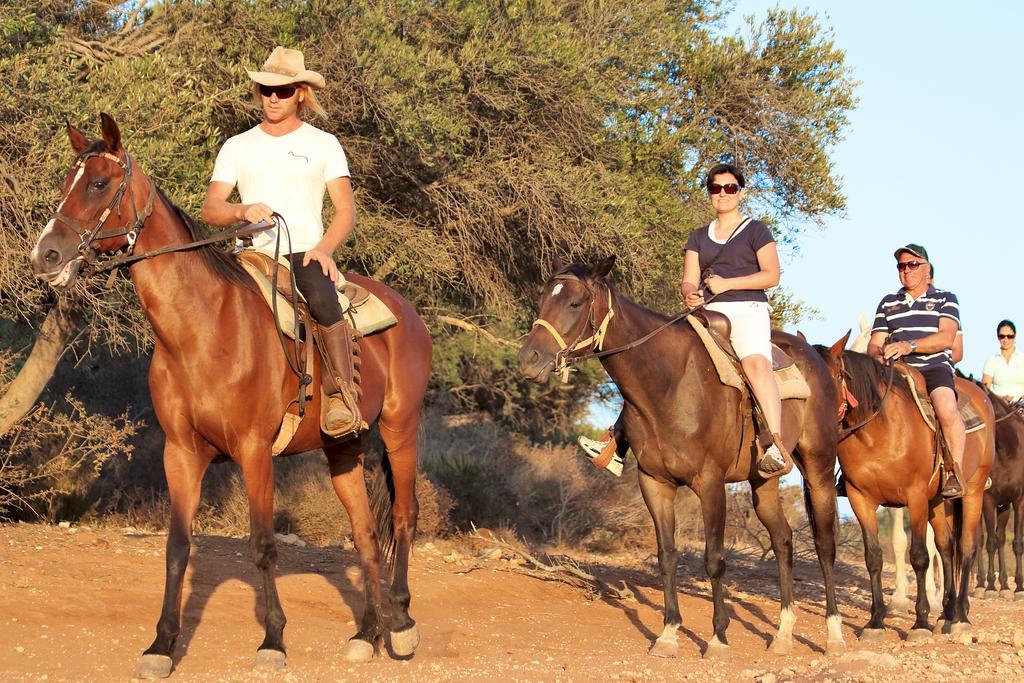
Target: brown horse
[1006,495]
[891,460]
[686,428]
[220,386]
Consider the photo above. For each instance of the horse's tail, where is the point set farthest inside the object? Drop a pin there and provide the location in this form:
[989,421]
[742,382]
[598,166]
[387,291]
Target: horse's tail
[382,498]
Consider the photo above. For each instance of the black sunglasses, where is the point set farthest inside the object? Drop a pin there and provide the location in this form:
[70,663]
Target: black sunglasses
[283,92]
[730,188]
[1006,336]
[909,265]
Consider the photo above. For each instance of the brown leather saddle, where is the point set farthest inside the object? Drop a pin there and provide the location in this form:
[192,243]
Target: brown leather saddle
[721,330]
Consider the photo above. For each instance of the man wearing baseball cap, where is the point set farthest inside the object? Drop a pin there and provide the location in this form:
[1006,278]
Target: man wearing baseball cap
[284,165]
[919,324]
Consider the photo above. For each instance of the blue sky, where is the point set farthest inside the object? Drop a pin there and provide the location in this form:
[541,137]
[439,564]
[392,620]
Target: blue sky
[928,157]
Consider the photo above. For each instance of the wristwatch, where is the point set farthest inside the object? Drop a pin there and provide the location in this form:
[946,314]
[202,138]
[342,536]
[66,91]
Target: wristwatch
[913,345]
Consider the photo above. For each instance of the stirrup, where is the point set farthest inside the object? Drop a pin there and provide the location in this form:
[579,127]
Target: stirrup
[603,454]
[787,461]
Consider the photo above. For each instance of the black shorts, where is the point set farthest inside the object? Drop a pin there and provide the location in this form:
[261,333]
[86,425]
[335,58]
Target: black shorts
[936,377]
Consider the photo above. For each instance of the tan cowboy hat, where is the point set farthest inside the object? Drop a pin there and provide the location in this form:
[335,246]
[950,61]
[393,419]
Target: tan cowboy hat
[285,66]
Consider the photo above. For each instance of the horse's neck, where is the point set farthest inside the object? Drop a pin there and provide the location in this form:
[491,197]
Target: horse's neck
[633,370]
[177,290]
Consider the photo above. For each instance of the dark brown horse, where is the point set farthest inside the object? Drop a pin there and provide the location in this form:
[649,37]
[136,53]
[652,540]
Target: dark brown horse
[220,386]
[686,428]
[1005,496]
[891,460]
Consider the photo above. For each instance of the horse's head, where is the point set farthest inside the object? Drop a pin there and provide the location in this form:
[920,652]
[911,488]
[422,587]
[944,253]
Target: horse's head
[572,320]
[97,214]
[835,359]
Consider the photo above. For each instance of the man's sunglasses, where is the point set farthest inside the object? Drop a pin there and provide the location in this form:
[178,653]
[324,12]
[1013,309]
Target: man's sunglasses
[1006,336]
[283,92]
[715,188]
[909,265]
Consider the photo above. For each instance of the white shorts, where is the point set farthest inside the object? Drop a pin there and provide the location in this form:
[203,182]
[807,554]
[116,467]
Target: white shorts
[751,326]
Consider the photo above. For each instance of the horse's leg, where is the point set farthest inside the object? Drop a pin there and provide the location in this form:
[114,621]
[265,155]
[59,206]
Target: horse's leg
[401,454]
[1002,517]
[712,506]
[765,498]
[933,577]
[184,470]
[346,465]
[979,564]
[258,472]
[971,517]
[990,515]
[660,499]
[944,542]
[919,560]
[1018,546]
[899,602]
[865,509]
[822,505]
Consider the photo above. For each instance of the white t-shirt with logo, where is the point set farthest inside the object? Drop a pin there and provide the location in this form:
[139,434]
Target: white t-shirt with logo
[287,173]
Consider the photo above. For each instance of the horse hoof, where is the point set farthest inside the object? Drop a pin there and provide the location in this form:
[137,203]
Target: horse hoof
[403,643]
[781,646]
[941,626]
[1019,595]
[358,651]
[978,593]
[960,627]
[835,647]
[270,660]
[154,666]
[991,595]
[1006,594]
[664,647]
[900,606]
[918,635]
[716,650]
[872,635]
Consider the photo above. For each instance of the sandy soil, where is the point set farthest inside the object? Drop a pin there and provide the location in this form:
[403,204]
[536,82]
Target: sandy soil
[81,604]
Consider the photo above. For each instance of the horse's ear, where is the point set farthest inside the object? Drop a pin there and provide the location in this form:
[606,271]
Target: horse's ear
[801,335]
[556,264]
[837,349]
[78,141]
[604,267]
[111,133]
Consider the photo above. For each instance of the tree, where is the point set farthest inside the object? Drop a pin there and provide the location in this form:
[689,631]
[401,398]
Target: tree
[483,137]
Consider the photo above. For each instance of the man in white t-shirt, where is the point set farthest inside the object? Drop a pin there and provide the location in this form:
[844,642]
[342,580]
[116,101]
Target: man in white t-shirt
[285,165]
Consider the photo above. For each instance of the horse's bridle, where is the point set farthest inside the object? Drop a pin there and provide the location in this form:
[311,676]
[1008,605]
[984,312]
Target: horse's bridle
[598,330]
[849,400]
[86,252]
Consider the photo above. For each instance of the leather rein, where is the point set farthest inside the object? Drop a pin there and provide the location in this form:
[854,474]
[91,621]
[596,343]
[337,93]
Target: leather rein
[850,401]
[563,358]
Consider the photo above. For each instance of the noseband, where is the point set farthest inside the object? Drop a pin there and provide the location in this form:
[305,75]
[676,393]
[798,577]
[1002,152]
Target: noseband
[598,330]
[130,229]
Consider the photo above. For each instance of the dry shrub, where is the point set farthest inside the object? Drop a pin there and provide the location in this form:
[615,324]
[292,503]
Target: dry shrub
[51,458]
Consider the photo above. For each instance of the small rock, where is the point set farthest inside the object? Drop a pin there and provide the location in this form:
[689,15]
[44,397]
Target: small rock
[964,639]
[490,554]
[866,657]
[454,556]
[1018,639]
[1006,659]
[940,668]
[290,539]
[983,637]
[19,649]
[64,525]
[765,678]
[334,543]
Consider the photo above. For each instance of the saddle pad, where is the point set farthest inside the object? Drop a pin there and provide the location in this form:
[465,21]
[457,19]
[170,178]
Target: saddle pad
[790,380]
[368,314]
[973,421]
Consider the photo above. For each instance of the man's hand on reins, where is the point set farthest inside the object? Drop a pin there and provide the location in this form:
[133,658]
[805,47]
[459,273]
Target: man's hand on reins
[896,350]
[326,263]
[255,213]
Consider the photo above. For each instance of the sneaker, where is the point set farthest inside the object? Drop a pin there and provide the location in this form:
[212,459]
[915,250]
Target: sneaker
[596,448]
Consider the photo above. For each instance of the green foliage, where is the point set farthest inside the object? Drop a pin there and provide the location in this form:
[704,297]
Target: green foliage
[484,137]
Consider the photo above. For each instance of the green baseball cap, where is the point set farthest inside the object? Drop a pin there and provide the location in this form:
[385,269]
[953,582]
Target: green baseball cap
[915,249]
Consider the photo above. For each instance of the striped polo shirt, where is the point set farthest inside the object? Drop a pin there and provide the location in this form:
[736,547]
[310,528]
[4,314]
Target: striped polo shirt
[905,319]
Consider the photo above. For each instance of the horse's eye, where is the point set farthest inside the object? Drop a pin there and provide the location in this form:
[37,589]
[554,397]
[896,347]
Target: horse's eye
[99,185]
[576,304]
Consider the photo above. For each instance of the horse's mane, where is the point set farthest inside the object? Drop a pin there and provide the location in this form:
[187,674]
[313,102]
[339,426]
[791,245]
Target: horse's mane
[223,264]
[866,379]
[584,273]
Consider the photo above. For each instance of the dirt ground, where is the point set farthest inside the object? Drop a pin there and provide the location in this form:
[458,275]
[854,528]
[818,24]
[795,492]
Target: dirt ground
[81,604]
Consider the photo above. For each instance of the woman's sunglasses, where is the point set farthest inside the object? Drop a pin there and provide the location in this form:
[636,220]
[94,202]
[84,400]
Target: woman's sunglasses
[1006,336]
[283,92]
[909,265]
[715,188]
